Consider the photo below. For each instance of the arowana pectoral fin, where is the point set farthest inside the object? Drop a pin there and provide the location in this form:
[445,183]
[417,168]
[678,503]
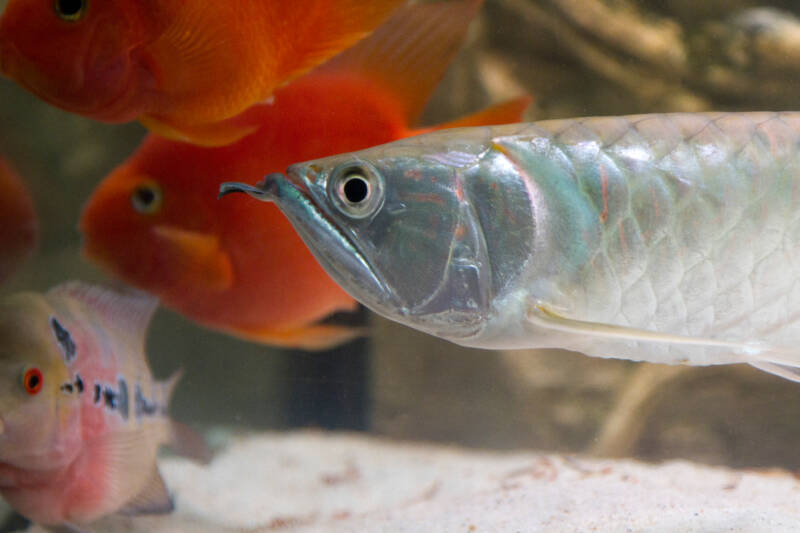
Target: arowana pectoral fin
[781,361]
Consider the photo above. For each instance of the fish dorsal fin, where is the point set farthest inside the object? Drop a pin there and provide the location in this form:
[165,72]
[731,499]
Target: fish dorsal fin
[409,54]
[154,498]
[321,29]
[129,309]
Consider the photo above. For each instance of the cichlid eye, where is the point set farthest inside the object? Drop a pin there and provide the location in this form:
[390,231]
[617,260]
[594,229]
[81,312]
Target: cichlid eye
[70,10]
[357,190]
[146,198]
[32,381]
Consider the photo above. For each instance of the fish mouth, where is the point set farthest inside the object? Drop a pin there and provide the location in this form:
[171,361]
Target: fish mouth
[301,200]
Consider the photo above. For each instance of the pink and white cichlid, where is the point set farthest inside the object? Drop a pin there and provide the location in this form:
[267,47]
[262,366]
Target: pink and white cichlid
[81,418]
[670,238]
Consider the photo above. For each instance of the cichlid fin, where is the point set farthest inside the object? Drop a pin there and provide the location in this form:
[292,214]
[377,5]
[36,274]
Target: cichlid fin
[129,453]
[773,359]
[186,442]
[313,337]
[67,528]
[130,307]
[507,112]
[182,439]
[212,134]
[154,498]
[410,53]
[199,257]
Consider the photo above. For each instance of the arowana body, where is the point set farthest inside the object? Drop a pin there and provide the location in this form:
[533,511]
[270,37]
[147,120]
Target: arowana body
[670,238]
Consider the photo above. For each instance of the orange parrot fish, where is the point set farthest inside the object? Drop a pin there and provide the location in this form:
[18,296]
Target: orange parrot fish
[81,418]
[181,67]
[239,267]
[19,226]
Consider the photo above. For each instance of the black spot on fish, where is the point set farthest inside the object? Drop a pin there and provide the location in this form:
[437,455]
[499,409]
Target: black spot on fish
[123,398]
[97,392]
[110,397]
[144,407]
[64,340]
[78,383]
[67,387]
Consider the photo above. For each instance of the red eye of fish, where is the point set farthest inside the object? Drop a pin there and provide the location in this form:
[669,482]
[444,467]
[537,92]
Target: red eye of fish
[32,381]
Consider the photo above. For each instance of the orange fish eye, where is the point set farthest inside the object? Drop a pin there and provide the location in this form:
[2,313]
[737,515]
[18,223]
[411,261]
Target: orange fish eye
[32,381]
[146,198]
[70,10]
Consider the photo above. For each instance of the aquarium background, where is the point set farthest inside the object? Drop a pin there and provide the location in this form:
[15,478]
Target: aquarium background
[576,58]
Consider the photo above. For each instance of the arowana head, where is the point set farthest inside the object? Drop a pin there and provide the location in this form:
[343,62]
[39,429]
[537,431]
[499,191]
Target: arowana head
[398,227]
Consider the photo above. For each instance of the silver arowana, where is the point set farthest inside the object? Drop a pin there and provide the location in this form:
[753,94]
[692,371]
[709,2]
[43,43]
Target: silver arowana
[665,238]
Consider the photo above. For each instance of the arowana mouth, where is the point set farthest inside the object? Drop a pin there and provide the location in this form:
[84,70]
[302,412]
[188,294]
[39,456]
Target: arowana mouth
[333,246]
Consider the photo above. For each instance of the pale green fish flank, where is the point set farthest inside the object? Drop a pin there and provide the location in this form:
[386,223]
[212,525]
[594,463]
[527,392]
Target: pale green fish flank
[671,238]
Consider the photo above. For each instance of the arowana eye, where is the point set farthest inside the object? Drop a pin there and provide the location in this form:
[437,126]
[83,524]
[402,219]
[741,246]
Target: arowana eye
[32,381]
[357,190]
[146,198]
[70,10]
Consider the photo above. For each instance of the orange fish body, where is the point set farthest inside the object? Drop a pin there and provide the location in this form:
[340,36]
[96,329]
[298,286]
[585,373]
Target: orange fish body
[238,266]
[82,418]
[19,227]
[178,65]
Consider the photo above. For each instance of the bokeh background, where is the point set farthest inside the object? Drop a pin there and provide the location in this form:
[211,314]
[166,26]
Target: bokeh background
[576,57]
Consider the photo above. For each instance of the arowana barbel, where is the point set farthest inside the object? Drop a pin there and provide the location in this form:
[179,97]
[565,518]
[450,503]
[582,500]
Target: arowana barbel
[671,238]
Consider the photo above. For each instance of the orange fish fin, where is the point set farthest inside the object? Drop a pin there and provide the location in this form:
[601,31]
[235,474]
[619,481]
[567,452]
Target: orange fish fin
[410,53]
[199,257]
[313,337]
[154,498]
[323,29]
[189,443]
[507,112]
[213,134]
